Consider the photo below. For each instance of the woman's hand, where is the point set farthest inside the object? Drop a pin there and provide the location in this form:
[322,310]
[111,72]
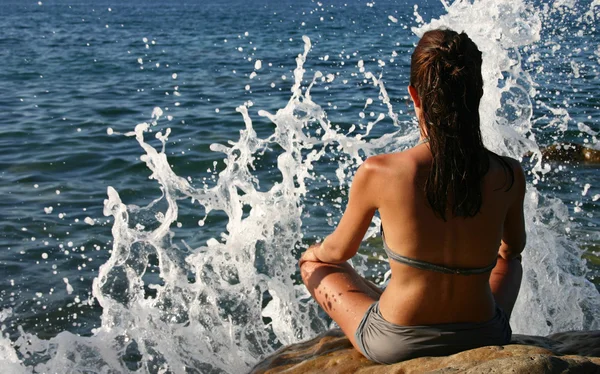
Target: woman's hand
[310,255]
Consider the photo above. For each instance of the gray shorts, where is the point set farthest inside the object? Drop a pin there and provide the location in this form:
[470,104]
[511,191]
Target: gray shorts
[387,343]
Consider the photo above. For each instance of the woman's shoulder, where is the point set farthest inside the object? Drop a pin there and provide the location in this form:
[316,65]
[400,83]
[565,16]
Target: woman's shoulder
[514,164]
[390,163]
[514,168]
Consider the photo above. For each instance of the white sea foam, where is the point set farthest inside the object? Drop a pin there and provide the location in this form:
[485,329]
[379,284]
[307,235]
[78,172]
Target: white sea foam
[69,287]
[157,112]
[8,356]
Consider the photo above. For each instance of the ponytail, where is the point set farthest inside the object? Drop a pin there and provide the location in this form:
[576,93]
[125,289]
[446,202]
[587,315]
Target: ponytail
[446,73]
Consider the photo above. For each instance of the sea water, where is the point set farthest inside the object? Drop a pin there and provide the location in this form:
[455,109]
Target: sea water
[198,272]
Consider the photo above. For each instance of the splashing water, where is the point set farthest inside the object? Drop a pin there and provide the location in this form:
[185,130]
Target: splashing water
[221,307]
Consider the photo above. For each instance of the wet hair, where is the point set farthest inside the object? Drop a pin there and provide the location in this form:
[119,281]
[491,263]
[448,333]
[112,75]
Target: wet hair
[446,73]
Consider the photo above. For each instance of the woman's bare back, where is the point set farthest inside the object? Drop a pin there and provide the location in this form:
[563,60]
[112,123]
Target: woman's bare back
[421,297]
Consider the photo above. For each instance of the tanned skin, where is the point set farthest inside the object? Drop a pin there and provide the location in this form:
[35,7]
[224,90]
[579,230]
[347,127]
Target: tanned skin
[393,184]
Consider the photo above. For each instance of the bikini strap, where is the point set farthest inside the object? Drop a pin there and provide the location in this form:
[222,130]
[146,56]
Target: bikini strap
[424,265]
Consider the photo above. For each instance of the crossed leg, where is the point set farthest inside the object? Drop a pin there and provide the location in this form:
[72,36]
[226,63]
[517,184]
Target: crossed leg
[342,293]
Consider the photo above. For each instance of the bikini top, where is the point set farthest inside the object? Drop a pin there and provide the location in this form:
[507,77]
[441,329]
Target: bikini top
[423,265]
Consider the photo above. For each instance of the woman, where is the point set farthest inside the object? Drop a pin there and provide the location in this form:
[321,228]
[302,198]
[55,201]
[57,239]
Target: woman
[453,218]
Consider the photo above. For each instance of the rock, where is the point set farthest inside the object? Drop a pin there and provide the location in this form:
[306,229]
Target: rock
[331,352]
[569,152]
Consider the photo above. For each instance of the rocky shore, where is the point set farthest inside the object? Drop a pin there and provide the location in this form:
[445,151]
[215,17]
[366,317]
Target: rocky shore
[568,352]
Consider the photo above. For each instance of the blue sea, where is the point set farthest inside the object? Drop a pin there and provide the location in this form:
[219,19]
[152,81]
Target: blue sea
[163,164]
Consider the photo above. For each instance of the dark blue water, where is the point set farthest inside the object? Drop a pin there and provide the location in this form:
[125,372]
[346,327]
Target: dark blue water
[72,72]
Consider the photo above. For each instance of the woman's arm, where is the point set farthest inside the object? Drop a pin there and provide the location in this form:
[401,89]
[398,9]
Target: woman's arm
[344,242]
[514,235]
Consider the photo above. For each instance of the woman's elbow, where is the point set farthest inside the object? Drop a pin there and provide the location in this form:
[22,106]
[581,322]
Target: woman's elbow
[512,250]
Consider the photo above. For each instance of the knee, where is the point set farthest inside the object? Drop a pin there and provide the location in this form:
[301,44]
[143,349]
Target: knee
[307,268]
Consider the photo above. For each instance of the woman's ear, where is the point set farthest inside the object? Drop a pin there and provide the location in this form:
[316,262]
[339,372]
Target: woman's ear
[414,96]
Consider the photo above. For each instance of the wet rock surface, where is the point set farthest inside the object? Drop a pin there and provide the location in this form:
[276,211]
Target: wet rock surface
[331,352]
[569,152]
